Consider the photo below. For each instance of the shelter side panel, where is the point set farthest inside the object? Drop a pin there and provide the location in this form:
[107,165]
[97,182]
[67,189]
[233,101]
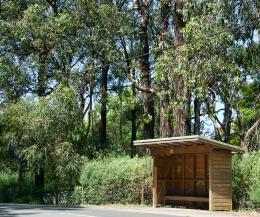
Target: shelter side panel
[164,165]
[221,180]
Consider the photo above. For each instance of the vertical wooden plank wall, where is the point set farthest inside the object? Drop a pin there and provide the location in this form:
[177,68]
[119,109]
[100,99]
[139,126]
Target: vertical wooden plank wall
[155,181]
[163,164]
[221,181]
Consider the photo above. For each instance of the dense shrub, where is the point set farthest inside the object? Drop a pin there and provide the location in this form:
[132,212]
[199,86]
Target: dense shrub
[117,180]
[126,180]
[9,191]
[7,187]
[246,180]
[29,193]
[72,198]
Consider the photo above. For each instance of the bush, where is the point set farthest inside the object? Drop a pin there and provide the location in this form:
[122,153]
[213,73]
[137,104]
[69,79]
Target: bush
[117,180]
[7,187]
[72,198]
[246,180]
[9,191]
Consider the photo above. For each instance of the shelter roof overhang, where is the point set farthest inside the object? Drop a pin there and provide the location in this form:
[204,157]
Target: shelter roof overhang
[186,140]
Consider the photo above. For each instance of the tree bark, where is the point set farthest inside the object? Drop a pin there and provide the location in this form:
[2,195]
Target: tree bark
[41,91]
[133,109]
[197,106]
[180,110]
[39,183]
[240,127]
[148,100]
[188,112]
[103,127]
[249,133]
[82,101]
[90,148]
[165,128]
[133,120]
[42,73]
[227,122]
[21,175]
[21,168]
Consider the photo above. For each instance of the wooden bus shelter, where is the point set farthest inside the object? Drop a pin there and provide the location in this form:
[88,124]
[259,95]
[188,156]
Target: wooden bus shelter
[191,171]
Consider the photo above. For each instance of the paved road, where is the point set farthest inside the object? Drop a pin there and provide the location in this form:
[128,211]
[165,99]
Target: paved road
[12,210]
[52,211]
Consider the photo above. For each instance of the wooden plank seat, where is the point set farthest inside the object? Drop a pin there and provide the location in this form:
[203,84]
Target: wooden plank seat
[187,198]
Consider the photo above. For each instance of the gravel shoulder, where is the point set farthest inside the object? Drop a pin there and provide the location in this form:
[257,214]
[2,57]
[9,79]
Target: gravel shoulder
[176,211]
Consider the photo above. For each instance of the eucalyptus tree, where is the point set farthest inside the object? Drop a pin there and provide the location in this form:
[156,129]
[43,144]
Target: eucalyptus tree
[206,64]
[45,135]
[144,8]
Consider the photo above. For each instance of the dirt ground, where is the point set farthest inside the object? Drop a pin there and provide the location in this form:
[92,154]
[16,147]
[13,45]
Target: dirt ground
[179,211]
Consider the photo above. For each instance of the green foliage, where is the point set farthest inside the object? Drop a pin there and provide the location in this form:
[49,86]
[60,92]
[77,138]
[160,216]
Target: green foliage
[119,122]
[7,187]
[52,55]
[9,193]
[246,180]
[249,108]
[46,134]
[73,198]
[255,194]
[117,180]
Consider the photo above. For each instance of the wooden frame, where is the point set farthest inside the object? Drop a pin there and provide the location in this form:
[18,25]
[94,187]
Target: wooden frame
[191,170]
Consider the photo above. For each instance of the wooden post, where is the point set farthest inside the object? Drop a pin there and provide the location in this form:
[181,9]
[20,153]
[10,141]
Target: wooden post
[142,195]
[210,180]
[155,199]
[183,170]
[231,202]
[194,175]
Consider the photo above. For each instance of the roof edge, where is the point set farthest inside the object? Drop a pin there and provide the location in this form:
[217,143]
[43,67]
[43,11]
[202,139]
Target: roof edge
[177,138]
[189,138]
[222,144]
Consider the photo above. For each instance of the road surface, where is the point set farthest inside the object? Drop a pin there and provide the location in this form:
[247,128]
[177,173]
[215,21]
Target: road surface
[15,210]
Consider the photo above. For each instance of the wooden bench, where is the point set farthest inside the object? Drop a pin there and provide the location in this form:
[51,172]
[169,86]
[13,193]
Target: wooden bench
[187,198]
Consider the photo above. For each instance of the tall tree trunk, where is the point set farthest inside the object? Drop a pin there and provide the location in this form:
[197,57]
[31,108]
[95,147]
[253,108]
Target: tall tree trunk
[103,127]
[227,122]
[188,112]
[165,128]
[90,150]
[197,106]
[39,178]
[82,101]
[240,127]
[41,91]
[133,107]
[21,175]
[180,110]
[145,70]
[21,168]
[42,73]
[39,183]
[120,115]
[133,119]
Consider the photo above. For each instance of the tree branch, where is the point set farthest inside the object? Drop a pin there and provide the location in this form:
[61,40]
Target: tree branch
[249,133]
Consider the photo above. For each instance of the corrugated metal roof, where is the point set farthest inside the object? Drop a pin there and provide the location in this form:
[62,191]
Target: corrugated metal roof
[184,140]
